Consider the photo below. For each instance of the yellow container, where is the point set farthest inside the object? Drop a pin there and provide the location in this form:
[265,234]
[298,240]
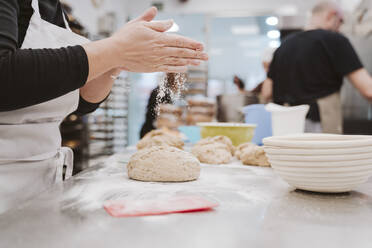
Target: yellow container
[239,133]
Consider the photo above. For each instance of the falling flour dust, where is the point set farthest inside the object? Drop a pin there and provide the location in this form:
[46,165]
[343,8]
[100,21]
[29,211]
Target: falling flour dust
[165,89]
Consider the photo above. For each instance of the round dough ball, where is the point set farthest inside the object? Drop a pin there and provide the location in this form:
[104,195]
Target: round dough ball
[254,155]
[241,147]
[159,138]
[214,153]
[218,139]
[163,164]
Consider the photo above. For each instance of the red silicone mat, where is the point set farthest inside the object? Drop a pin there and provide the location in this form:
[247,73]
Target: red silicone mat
[179,204]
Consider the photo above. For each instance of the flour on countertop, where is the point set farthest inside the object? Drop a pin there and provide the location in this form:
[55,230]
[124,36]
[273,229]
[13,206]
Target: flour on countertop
[111,183]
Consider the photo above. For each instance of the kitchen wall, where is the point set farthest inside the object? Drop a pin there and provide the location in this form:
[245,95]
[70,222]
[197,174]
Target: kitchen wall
[354,105]
[299,8]
[253,7]
[88,14]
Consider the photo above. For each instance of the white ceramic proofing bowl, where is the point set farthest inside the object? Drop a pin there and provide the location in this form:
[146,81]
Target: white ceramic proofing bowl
[319,141]
[321,162]
[306,151]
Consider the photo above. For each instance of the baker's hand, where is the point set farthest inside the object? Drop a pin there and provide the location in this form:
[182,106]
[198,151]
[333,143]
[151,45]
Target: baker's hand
[143,46]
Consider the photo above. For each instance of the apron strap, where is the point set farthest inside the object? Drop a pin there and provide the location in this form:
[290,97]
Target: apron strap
[330,110]
[35,7]
[68,161]
[65,21]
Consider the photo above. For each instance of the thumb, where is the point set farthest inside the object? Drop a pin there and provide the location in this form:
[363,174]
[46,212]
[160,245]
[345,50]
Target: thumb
[148,15]
[160,26]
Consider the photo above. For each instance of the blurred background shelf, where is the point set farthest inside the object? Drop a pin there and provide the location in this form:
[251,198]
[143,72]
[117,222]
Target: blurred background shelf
[109,123]
[197,76]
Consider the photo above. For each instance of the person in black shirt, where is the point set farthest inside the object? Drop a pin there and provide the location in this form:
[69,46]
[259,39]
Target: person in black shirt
[309,67]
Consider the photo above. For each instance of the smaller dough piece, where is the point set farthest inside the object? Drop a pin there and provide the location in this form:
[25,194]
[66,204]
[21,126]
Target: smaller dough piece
[213,153]
[159,138]
[218,139]
[163,164]
[241,147]
[253,155]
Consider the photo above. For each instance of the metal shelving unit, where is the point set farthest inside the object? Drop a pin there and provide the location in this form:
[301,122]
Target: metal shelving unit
[108,125]
[197,80]
[118,109]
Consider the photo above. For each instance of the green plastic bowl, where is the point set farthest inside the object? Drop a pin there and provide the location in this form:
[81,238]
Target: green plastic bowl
[239,133]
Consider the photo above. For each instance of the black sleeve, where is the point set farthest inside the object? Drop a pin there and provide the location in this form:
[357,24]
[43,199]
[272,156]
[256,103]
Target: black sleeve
[342,54]
[86,107]
[32,76]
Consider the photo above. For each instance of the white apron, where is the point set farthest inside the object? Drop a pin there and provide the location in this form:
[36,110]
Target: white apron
[331,119]
[31,156]
[330,110]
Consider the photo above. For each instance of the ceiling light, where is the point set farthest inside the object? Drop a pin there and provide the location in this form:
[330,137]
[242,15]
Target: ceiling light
[175,28]
[272,21]
[273,34]
[245,29]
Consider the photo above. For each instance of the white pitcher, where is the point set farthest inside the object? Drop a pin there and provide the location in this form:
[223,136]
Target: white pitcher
[287,120]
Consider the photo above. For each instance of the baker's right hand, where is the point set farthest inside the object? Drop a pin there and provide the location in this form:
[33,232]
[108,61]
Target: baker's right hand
[143,46]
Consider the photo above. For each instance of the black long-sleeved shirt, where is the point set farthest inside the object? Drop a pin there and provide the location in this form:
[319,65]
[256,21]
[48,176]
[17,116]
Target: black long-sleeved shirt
[33,76]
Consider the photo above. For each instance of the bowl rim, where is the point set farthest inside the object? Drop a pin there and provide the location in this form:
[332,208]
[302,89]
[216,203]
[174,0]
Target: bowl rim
[316,141]
[224,124]
[314,151]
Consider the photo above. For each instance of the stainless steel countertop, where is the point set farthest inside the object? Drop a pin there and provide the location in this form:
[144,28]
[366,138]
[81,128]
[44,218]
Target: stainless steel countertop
[257,209]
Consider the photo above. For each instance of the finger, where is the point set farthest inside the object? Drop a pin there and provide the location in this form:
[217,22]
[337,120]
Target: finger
[181,61]
[171,68]
[174,40]
[195,62]
[148,15]
[160,26]
[182,53]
